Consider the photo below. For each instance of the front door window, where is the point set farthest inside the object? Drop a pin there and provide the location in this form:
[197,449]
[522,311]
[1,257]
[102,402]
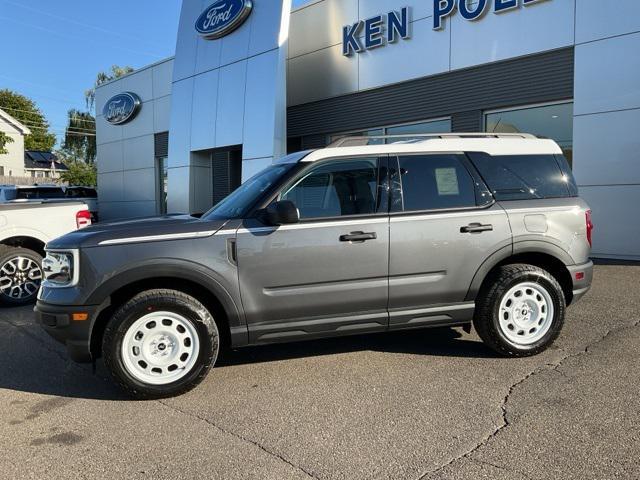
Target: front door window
[337,188]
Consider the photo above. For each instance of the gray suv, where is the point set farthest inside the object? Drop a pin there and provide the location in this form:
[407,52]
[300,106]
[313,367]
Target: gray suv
[445,230]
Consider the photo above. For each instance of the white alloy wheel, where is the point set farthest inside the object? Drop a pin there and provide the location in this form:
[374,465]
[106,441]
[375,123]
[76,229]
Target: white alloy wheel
[20,277]
[160,348]
[526,313]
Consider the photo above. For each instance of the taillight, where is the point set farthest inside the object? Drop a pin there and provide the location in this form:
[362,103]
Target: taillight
[83,219]
[589,227]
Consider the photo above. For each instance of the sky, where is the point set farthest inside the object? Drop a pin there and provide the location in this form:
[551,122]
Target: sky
[53,49]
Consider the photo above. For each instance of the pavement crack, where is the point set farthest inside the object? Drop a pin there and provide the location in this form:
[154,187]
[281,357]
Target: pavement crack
[502,467]
[238,436]
[547,367]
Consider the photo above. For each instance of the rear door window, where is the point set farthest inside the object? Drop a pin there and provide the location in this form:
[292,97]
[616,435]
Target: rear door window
[525,177]
[433,182]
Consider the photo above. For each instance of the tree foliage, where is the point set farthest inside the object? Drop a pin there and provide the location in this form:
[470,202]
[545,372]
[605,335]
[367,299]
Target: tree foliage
[26,112]
[80,136]
[104,77]
[4,140]
[80,173]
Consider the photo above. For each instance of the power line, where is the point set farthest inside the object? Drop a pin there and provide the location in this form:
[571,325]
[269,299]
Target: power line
[72,37]
[42,85]
[66,101]
[23,111]
[54,125]
[37,126]
[89,133]
[90,123]
[76,22]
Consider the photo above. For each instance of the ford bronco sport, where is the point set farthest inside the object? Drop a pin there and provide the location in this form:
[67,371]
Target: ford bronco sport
[440,230]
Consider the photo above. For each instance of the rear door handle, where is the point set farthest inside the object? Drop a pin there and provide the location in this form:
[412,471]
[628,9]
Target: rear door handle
[358,237]
[476,228]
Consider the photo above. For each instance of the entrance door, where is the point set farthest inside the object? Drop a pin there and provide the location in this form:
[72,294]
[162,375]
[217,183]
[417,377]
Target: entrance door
[327,274]
[226,172]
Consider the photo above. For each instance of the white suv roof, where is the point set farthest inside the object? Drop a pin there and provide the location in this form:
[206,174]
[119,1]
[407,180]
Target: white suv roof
[493,144]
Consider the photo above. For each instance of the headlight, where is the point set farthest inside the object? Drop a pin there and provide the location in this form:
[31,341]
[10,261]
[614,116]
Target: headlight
[60,268]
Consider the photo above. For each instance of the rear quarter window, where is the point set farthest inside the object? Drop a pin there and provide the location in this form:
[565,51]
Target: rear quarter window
[39,193]
[77,192]
[525,177]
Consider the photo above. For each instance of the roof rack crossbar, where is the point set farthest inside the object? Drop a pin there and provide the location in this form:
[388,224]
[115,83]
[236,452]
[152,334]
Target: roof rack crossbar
[425,136]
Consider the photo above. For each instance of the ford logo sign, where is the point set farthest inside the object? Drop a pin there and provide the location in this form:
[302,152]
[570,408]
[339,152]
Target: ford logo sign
[223,17]
[121,108]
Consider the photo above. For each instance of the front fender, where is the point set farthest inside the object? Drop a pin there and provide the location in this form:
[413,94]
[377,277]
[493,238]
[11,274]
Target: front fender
[179,270]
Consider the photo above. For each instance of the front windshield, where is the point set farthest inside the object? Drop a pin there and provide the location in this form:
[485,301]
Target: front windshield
[238,203]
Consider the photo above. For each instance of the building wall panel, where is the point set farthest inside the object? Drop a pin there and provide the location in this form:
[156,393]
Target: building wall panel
[597,19]
[608,75]
[542,26]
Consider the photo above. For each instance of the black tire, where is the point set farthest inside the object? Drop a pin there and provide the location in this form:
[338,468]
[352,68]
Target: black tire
[160,300]
[486,318]
[7,254]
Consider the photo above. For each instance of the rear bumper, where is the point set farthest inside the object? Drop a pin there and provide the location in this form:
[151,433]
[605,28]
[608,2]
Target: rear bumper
[581,285]
[56,320]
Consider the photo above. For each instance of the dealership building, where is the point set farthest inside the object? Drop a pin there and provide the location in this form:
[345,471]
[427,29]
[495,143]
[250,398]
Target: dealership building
[253,80]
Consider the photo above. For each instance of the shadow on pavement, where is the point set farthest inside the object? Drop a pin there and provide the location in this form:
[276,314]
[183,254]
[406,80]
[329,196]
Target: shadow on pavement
[445,342]
[31,362]
[609,261]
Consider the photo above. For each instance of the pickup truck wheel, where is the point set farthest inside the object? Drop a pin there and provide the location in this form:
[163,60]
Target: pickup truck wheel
[159,344]
[520,311]
[20,275]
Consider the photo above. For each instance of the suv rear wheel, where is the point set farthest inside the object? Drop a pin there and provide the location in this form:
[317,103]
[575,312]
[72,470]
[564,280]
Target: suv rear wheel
[520,310]
[161,343]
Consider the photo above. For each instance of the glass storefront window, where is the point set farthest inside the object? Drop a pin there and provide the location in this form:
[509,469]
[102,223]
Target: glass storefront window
[431,126]
[436,126]
[375,132]
[549,121]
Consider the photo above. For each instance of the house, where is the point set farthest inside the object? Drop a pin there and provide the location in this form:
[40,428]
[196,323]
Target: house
[42,165]
[12,162]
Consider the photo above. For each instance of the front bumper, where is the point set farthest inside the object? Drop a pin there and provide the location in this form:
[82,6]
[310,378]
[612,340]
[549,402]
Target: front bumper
[581,285]
[57,321]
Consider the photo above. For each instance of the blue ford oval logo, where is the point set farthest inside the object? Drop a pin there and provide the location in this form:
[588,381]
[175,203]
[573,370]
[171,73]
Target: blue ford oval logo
[121,108]
[223,17]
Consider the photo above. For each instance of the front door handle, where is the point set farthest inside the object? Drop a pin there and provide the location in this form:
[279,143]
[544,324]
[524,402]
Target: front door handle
[358,237]
[476,228]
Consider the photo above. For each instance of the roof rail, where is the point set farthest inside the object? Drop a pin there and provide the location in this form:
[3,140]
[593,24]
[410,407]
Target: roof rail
[357,141]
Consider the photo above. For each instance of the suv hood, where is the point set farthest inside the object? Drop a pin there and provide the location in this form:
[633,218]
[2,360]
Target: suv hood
[137,230]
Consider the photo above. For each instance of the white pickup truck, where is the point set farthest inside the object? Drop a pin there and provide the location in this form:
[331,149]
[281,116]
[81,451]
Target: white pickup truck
[25,228]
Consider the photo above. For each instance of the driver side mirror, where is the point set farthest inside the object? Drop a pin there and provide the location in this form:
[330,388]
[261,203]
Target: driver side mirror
[282,213]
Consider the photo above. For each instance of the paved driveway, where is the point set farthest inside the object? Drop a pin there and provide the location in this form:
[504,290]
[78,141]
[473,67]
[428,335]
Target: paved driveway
[434,404]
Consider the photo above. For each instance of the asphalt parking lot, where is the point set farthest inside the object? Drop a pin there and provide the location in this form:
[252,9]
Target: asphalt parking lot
[433,404]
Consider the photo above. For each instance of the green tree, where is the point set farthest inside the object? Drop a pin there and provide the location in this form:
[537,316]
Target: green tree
[80,173]
[104,77]
[80,136]
[25,111]
[4,140]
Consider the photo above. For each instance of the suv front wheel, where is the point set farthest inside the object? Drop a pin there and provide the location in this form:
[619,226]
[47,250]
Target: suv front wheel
[520,310]
[161,343]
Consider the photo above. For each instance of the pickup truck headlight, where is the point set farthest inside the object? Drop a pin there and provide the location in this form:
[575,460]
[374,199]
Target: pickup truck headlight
[60,268]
